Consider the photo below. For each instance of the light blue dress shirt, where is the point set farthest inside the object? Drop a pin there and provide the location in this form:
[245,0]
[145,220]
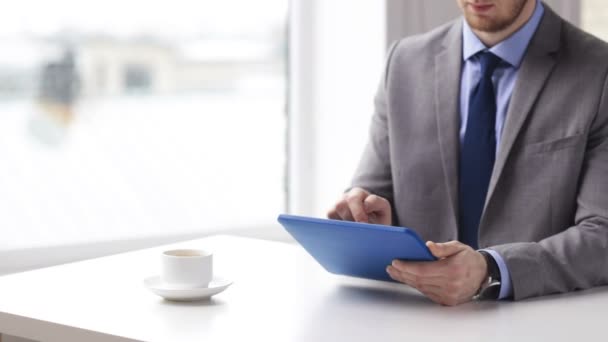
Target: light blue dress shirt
[511,51]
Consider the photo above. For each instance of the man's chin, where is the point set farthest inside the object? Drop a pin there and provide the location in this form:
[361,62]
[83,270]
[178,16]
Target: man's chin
[485,24]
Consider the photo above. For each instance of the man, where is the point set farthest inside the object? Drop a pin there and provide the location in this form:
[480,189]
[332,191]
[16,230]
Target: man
[492,133]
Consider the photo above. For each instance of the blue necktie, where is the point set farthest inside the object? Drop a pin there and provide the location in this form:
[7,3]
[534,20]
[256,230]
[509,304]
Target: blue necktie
[478,151]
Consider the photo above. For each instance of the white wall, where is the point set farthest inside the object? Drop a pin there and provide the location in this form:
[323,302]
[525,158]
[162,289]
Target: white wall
[338,50]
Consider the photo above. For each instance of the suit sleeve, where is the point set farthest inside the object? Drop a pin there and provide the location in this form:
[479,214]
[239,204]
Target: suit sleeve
[576,258]
[374,171]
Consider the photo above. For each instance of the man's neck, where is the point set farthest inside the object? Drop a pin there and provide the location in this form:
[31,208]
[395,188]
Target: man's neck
[492,38]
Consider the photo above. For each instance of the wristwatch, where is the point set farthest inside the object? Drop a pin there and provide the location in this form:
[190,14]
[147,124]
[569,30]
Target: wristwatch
[490,288]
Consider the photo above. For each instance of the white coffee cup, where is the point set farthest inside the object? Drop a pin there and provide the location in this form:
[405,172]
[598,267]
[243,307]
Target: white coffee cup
[187,268]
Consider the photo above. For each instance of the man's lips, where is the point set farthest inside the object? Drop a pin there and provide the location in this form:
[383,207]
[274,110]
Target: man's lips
[480,8]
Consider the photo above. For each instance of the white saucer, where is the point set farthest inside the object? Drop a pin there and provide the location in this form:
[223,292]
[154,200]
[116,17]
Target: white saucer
[156,285]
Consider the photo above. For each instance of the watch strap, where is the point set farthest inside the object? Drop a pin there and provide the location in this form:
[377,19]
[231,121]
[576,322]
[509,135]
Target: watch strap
[493,270]
[490,288]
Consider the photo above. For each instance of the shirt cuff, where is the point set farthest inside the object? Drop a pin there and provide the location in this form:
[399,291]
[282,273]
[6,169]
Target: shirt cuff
[506,288]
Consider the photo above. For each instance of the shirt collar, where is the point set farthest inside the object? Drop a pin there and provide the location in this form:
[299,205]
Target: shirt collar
[512,49]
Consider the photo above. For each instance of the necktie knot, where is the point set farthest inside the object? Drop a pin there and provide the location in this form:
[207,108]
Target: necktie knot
[489,62]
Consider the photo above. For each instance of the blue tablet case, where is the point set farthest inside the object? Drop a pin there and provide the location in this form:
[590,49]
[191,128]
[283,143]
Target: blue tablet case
[355,249]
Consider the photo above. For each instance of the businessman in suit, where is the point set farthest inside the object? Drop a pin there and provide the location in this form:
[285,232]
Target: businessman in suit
[490,137]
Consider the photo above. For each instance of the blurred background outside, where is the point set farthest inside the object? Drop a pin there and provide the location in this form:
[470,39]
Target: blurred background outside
[127,118]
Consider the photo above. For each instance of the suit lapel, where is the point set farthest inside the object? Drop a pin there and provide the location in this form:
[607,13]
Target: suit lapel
[534,71]
[448,66]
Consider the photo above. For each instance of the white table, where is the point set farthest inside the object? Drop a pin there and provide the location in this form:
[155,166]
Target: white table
[279,294]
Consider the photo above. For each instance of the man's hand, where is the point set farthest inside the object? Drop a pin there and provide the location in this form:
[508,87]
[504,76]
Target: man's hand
[361,206]
[453,279]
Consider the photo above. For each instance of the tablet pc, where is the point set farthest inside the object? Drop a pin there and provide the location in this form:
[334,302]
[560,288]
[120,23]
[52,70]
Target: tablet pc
[355,249]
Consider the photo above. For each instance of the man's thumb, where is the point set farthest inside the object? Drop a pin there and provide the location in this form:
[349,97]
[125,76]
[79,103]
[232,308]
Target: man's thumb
[444,250]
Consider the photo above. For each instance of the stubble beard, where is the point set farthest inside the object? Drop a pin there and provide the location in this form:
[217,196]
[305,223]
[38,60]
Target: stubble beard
[497,24]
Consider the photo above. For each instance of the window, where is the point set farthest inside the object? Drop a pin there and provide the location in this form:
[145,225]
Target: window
[123,119]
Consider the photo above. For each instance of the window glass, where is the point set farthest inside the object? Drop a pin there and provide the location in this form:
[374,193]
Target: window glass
[123,119]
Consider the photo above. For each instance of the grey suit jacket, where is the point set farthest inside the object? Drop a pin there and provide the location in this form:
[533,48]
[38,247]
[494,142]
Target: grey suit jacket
[546,212]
